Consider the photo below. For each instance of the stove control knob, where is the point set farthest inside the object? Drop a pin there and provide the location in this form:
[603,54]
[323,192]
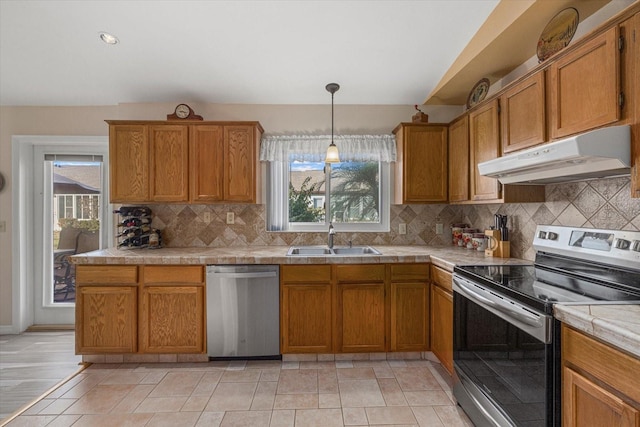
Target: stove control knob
[542,235]
[622,244]
[635,246]
[552,236]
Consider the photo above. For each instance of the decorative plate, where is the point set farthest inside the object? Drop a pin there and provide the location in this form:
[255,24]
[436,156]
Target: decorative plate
[478,93]
[558,33]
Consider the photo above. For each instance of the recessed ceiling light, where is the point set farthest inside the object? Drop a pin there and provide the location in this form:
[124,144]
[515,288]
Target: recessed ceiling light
[108,38]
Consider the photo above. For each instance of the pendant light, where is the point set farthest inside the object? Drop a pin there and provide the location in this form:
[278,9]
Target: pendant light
[332,151]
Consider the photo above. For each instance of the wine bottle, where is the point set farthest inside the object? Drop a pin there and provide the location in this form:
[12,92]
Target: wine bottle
[134,222]
[133,211]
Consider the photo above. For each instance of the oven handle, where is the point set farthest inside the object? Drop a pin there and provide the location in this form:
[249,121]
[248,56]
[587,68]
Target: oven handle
[466,288]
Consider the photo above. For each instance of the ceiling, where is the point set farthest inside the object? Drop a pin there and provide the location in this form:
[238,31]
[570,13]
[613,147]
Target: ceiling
[230,52]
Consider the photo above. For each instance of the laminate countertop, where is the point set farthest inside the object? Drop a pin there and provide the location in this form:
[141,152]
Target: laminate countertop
[615,324]
[442,256]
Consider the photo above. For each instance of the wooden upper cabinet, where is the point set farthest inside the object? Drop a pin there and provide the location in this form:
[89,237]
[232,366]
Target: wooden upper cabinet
[129,163]
[206,150]
[632,57]
[169,158]
[585,86]
[484,144]
[421,167]
[165,162]
[522,114]
[459,160]
[240,163]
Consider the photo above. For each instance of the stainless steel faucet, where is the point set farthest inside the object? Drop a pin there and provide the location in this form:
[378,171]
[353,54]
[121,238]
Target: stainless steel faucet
[332,232]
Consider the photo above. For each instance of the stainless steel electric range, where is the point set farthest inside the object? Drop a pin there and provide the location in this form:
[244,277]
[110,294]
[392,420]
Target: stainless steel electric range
[506,341]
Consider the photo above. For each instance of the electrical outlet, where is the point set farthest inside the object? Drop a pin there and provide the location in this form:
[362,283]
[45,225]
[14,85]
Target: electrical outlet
[231,218]
[402,228]
[206,217]
[3,226]
[439,229]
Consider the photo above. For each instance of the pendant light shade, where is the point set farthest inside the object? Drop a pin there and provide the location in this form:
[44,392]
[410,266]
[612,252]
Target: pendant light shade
[332,151]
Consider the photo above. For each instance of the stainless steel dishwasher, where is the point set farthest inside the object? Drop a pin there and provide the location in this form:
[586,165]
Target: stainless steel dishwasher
[243,307]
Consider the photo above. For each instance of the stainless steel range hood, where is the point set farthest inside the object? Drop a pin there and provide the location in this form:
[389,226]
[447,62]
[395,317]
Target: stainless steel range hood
[600,153]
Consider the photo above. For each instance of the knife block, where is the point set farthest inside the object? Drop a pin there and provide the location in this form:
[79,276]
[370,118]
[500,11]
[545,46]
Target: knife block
[505,249]
[493,243]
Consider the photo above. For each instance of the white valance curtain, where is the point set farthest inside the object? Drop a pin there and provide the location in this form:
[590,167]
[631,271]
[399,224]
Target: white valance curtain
[313,148]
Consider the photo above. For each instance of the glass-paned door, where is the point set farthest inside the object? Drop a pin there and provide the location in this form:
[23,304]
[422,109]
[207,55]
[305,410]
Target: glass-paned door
[75,207]
[70,209]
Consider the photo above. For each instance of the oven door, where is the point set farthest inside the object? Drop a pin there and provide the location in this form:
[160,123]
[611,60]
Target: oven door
[503,358]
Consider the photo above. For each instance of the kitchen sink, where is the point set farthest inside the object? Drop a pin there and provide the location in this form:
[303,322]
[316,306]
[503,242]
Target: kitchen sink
[357,250]
[306,251]
[320,251]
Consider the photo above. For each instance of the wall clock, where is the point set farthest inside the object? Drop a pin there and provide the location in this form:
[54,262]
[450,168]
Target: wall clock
[183,112]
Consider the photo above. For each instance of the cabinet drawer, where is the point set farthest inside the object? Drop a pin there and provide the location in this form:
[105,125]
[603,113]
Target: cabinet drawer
[305,273]
[118,274]
[442,278]
[360,273]
[410,272]
[174,274]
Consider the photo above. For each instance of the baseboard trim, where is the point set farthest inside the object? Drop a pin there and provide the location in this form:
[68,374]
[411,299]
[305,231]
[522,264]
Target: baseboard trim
[50,328]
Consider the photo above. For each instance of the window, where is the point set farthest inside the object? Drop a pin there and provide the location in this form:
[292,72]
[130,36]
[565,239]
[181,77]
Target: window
[305,194]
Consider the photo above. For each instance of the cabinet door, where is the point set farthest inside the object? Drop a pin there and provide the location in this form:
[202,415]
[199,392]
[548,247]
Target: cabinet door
[129,163]
[442,326]
[633,55]
[459,160]
[410,316]
[239,164]
[360,318]
[585,86]
[522,110]
[306,309]
[306,318]
[484,144]
[423,163]
[169,157]
[206,150]
[586,403]
[106,309]
[172,310]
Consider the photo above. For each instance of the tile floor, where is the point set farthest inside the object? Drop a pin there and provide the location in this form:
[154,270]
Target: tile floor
[252,393]
[32,363]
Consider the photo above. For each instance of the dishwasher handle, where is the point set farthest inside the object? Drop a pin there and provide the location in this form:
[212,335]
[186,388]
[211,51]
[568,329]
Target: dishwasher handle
[244,275]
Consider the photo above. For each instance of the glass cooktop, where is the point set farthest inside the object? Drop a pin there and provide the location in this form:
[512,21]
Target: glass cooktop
[557,280]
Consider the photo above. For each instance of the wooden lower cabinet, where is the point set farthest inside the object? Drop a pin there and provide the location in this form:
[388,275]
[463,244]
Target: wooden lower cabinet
[352,308]
[145,309]
[360,318]
[599,383]
[360,308]
[172,310]
[442,317]
[305,309]
[409,307]
[106,309]
[589,404]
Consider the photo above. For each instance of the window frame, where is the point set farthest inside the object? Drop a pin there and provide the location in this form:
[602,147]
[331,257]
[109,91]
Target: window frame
[383,225]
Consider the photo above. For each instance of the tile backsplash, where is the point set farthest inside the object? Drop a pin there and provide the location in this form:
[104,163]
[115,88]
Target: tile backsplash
[602,203]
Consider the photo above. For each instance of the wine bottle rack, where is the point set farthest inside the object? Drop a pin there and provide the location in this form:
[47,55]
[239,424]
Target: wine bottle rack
[134,229]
